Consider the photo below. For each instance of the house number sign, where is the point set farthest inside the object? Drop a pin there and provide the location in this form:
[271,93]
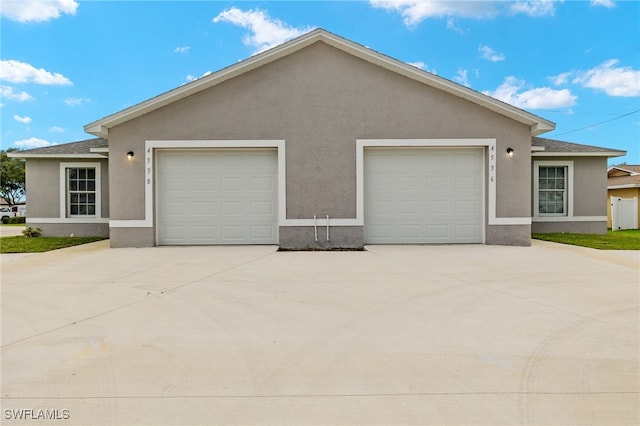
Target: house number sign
[148,166]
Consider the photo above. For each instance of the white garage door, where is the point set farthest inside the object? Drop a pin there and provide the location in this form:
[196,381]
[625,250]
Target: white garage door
[217,197]
[423,195]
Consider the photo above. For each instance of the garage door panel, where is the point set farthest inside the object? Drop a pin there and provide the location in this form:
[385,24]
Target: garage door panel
[262,208]
[435,207]
[466,231]
[217,197]
[438,232]
[231,208]
[423,195]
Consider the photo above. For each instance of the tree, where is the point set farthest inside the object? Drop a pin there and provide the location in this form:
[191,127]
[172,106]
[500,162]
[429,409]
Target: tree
[12,187]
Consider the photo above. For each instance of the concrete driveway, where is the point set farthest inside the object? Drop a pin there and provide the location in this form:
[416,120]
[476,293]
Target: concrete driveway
[448,335]
[11,230]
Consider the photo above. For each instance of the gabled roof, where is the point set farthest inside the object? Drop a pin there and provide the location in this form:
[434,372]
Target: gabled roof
[543,147]
[623,170]
[90,148]
[624,176]
[537,124]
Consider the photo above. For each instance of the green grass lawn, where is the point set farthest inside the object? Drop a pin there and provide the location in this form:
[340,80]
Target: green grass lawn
[40,244]
[612,240]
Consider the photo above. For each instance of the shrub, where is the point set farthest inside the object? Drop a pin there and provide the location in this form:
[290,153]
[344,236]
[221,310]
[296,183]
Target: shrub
[16,220]
[32,232]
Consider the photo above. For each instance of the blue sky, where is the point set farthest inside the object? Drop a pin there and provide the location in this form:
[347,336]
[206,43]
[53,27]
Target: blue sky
[67,63]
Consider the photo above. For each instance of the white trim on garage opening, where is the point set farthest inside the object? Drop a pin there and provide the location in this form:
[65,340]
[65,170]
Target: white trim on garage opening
[489,144]
[279,144]
[151,146]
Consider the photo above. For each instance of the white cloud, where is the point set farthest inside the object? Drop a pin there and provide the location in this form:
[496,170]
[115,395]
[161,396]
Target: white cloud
[57,129]
[604,3]
[490,54]
[614,81]
[7,92]
[32,143]
[21,72]
[184,49]
[76,101]
[415,11]
[23,120]
[265,32]
[537,98]
[453,26]
[535,7]
[560,79]
[462,77]
[36,10]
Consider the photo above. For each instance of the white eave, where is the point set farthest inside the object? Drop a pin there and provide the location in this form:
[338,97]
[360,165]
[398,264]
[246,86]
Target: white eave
[537,124]
[625,186]
[18,154]
[578,153]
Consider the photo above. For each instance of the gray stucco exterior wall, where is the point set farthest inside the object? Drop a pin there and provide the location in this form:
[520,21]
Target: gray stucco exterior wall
[320,100]
[44,200]
[589,195]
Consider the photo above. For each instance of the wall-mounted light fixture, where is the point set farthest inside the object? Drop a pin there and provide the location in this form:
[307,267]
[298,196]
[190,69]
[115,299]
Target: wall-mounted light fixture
[510,152]
[130,155]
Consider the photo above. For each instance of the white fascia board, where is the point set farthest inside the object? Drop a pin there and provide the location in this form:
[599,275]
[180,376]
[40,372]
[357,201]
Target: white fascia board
[625,186]
[53,156]
[537,124]
[579,154]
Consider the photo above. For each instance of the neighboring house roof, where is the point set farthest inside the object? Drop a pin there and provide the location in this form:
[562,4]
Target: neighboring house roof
[543,147]
[537,124]
[625,176]
[90,148]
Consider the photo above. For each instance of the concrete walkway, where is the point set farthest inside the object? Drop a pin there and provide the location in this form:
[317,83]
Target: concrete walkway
[413,335]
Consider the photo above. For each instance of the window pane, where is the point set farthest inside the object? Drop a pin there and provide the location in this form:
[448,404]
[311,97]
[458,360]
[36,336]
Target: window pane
[81,191]
[552,186]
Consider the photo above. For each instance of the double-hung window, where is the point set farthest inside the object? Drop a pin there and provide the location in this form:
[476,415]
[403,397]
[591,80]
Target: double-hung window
[552,195]
[82,191]
[552,187]
[80,183]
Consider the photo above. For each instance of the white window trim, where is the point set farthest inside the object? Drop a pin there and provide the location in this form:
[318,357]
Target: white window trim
[64,217]
[537,217]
